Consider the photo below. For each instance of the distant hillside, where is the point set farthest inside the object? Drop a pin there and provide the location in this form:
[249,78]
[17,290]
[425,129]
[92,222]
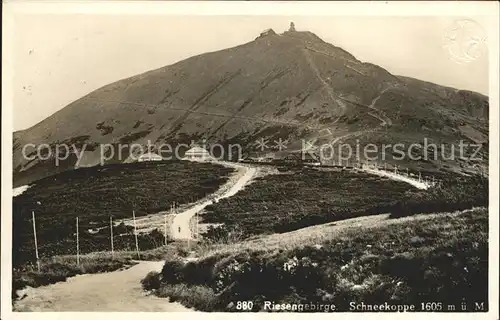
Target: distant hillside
[291,85]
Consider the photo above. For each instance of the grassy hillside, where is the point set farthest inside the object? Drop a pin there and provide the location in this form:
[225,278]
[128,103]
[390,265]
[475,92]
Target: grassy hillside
[95,194]
[293,200]
[441,259]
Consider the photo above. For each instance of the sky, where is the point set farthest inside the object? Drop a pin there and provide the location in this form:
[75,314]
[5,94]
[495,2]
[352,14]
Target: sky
[58,58]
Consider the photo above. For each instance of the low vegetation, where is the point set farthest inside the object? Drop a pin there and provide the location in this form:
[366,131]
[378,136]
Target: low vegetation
[97,193]
[456,193]
[442,259]
[294,200]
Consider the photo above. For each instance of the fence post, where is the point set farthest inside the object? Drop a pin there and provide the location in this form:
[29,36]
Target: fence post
[77,244]
[36,243]
[111,232]
[197,226]
[135,234]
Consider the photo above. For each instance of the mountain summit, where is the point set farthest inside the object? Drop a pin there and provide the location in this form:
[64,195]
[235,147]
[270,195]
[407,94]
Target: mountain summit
[292,86]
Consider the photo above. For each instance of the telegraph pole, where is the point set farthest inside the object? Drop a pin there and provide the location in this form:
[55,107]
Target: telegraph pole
[135,234]
[36,244]
[196,226]
[77,245]
[165,226]
[111,232]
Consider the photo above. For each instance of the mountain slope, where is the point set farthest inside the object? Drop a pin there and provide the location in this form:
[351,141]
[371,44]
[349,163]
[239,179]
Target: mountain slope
[289,86]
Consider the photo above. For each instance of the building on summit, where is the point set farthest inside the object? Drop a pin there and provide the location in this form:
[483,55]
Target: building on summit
[267,32]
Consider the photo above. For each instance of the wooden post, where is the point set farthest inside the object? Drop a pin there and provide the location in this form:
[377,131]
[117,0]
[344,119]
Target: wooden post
[196,225]
[419,176]
[36,243]
[111,233]
[189,236]
[77,244]
[407,172]
[135,234]
[165,226]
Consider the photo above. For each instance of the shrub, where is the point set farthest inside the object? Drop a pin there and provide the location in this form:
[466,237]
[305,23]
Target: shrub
[172,272]
[152,281]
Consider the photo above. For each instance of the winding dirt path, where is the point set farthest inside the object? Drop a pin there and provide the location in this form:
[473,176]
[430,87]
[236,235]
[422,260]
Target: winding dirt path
[325,84]
[121,290]
[383,117]
[113,291]
[180,226]
[377,114]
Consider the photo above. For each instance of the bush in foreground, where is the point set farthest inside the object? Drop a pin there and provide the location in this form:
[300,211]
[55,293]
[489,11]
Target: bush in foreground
[152,281]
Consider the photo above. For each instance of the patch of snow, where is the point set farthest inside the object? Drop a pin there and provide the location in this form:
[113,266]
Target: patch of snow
[19,190]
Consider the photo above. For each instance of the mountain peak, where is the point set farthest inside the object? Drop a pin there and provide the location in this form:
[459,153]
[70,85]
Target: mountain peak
[291,86]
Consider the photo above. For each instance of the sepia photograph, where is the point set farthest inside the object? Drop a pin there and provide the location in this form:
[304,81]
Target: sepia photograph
[238,157]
